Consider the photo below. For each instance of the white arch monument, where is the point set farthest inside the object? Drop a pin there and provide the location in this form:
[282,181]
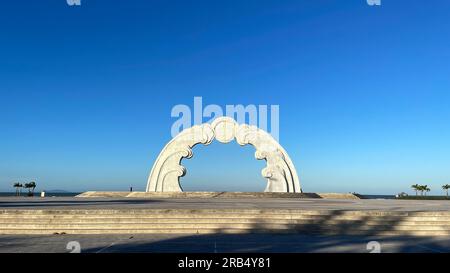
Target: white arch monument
[167,170]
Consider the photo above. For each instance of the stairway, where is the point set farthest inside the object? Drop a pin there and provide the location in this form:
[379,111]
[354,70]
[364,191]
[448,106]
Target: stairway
[204,221]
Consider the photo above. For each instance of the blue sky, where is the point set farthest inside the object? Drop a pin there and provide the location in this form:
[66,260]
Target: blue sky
[364,92]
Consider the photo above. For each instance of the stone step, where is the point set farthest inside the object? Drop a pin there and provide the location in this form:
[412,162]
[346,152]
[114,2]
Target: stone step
[222,226]
[131,221]
[80,217]
[219,221]
[222,211]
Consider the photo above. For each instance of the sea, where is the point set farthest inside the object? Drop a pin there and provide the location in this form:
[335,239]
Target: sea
[47,194]
[379,196]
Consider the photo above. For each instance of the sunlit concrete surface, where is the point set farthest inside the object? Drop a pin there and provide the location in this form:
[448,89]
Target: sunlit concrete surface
[222,203]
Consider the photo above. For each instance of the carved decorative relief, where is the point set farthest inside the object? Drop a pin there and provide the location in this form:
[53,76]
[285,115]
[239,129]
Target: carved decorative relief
[167,170]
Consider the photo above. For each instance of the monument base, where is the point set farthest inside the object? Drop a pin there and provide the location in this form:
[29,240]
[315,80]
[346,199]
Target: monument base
[138,194]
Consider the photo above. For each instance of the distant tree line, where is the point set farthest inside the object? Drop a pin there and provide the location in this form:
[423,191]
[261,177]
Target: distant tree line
[423,189]
[29,186]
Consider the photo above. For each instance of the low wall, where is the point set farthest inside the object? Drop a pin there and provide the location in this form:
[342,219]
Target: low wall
[137,194]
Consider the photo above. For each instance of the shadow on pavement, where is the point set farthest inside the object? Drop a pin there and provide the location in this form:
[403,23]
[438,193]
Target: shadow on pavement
[299,238]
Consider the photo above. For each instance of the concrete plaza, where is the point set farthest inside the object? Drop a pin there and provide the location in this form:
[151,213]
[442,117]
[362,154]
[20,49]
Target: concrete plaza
[222,242]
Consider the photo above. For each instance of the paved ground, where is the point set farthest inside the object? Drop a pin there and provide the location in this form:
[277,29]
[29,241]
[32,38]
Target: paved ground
[220,243]
[213,203]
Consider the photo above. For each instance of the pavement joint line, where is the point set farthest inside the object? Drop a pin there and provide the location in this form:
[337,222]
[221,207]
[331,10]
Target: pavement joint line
[429,248]
[106,247]
[114,243]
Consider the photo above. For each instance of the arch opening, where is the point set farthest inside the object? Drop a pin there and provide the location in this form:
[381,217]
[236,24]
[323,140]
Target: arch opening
[223,168]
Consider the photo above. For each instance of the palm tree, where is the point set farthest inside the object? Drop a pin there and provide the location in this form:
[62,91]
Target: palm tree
[422,188]
[33,186]
[415,188]
[426,189]
[30,186]
[27,186]
[446,187]
[17,185]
